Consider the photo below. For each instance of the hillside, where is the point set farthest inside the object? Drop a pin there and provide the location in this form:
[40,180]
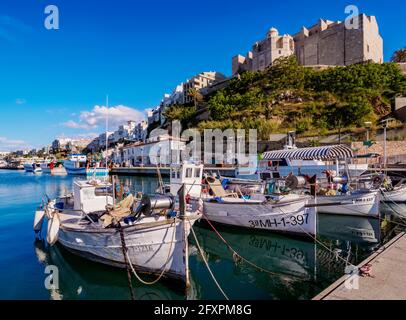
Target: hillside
[288,96]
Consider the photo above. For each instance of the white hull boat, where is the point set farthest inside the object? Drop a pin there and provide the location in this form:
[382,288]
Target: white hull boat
[32,167]
[152,244]
[364,204]
[398,194]
[147,235]
[287,216]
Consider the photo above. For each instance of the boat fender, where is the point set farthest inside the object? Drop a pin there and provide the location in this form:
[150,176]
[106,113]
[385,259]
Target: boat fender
[53,229]
[38,220]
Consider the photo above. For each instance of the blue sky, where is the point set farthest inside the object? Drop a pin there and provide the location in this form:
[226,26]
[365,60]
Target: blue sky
[135,51]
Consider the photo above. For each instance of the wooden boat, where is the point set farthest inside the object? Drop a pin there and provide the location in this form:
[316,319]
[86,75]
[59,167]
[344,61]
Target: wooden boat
[148,234]
[362,203]
[395,194]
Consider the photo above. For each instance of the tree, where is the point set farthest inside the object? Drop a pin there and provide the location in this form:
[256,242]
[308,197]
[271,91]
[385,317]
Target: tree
[196,95]
[399,55]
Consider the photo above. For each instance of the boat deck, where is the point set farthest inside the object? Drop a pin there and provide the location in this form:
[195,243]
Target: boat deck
[387,281]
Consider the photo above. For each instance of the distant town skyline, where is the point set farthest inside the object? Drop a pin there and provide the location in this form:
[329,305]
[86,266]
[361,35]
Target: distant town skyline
[54,82]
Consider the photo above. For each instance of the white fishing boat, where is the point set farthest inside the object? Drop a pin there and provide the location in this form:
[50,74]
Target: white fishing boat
[282,213]
[76,164]
[290,215]
[391,193]
[148,234]
[32,167]
[362,203]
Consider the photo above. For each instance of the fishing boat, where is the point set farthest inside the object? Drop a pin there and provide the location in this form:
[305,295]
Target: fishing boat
[392,193]
[287,213]
[54,168]
[146,234]
[76,164]
[34,167]
[364,203]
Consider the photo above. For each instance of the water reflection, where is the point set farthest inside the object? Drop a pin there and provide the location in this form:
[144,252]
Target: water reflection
[83,279]
[357,230]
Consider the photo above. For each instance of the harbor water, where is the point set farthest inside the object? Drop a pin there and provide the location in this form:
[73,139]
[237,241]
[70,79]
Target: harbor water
[280,267]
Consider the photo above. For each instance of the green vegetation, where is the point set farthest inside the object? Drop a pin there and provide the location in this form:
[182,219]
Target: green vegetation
[399,55]
[288,96]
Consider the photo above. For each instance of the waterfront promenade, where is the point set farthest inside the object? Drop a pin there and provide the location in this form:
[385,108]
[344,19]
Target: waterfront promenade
[387,280]
[165,171]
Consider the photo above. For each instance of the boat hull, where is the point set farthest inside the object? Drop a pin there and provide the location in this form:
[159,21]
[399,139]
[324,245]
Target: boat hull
[358,204]
[28,167]
[148,248]
[291,217]
[396,195]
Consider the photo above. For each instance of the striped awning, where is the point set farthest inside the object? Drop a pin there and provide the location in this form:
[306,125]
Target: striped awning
[322,153]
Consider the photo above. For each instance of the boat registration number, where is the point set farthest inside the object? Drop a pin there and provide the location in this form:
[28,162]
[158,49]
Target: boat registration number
[297,220]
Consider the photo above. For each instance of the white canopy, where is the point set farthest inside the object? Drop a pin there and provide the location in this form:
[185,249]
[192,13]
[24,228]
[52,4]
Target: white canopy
[322,153]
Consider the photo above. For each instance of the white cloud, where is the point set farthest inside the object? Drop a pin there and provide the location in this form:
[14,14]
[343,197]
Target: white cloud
[7,144]
[97,117]
[75,125]
[21,101]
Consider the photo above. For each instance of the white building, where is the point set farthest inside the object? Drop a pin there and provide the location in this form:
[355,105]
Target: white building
[158,150]
[140,131]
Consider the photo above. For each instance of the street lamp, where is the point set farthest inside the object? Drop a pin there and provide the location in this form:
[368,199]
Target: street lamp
[385,124]
[368,125]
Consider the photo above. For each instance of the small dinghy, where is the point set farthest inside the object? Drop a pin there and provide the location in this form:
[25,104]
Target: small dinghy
[145,234]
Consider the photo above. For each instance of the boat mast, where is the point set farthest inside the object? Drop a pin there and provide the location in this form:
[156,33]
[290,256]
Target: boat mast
[107,143]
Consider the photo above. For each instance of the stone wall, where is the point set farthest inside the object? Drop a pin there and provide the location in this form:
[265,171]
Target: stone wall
[396,151]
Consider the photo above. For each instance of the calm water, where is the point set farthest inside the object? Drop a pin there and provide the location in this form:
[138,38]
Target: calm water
[295,268]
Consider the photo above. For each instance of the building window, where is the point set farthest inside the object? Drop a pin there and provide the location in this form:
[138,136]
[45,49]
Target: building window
[367,47]
[280,51]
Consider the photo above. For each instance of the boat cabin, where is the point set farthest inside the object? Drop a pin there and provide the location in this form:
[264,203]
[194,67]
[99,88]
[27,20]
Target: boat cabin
[189,174]
[91,197]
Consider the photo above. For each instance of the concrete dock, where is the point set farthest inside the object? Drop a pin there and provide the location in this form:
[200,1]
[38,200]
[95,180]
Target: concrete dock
[152,171]
[387,280]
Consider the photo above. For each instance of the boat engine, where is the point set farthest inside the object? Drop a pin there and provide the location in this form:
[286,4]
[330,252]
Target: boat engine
[148,204]
[293,182]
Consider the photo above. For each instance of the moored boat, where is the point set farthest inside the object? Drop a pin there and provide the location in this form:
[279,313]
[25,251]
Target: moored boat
[146,234]
[34,167]
[362,203]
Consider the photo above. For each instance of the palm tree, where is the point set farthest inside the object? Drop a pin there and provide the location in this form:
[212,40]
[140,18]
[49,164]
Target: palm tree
[399,55]
[196,95]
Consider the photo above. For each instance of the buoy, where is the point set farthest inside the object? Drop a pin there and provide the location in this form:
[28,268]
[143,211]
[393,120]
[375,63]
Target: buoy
[53,229]
[38,220]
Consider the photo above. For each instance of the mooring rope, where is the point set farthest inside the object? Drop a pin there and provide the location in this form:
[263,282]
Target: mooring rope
[162,272]
[124,250]
[235,253]
[206,263]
